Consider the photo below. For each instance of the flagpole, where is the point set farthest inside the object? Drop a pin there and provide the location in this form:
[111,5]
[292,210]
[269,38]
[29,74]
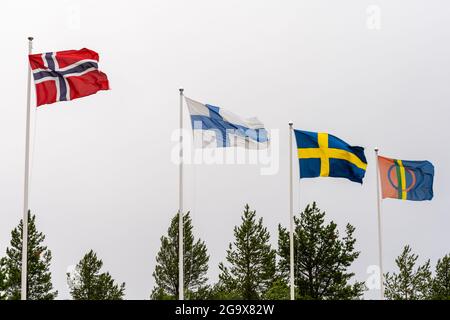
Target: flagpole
[180,209]
[291,216]
[23,295]
[380,242]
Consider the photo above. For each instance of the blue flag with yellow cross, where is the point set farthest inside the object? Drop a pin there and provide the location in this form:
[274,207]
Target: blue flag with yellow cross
[324,155]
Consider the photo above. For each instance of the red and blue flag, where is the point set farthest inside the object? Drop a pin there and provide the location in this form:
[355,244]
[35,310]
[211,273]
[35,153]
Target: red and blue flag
[406,180]
[66,75]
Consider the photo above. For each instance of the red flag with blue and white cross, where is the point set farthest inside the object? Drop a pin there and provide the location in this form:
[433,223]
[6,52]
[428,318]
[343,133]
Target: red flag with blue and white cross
[66,75]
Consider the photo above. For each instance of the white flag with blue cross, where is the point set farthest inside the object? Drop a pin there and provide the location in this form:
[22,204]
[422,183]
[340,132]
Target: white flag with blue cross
[216,127]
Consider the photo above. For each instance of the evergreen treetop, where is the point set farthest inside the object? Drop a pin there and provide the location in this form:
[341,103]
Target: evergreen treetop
[250,268]
[39,284]
[88,283]
[195,263]
[321,257]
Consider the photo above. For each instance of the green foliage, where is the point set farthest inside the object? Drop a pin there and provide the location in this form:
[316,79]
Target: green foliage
[222,292]
[278,291]
[87,283]
[321,257]
[39,285]
[202,293]
[2,279]
[159,294]
[195,264]
[251,260]
[440,289]
[408,284]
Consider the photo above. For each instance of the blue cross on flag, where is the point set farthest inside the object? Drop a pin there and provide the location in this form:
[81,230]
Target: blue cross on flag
[219,128]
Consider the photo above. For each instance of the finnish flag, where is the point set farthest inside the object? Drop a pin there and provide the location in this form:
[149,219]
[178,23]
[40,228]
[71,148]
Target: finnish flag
[215,127]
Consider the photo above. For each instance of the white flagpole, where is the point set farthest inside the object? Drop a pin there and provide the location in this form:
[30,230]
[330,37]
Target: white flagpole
[291,216]
[380,242]
[23,295]
[180,209]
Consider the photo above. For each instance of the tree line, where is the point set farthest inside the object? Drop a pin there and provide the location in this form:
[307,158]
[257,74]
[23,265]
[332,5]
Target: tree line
[87,282]
[252,268]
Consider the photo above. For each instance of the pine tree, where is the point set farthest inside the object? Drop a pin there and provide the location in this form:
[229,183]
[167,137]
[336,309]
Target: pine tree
[321,257]
[2,279]
[278,291]
[408,284]
[250,258]
[195,264]
[87,283]
[221,291]
[39,284]
[440,289]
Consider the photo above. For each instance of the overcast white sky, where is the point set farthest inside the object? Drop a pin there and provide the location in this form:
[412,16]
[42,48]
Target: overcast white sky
[102,177]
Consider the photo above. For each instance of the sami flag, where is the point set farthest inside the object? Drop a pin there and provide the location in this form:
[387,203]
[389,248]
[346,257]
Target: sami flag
[66,75]
[406,180]
[324,155]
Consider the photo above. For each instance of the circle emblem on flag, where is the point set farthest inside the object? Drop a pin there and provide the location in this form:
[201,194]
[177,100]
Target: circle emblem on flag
[411,179]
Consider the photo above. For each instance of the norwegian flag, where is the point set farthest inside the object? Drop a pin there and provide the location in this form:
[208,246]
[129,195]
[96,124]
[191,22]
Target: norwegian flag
[66,75]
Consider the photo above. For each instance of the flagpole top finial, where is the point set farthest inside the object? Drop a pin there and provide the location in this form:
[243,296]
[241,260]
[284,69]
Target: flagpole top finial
[376,149]
[181,90]
[291,123]
[30,38]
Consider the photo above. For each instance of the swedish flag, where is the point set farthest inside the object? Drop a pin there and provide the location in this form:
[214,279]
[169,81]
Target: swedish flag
[324,155]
